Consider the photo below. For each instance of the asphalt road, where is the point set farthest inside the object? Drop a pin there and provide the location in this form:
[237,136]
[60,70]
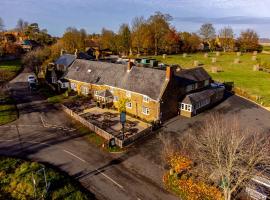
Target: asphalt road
[45,134]
[250,116]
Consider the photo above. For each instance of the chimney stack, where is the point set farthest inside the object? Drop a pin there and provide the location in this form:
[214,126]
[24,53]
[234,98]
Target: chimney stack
[129,65]
[76,52]
[62,52]
[169,72]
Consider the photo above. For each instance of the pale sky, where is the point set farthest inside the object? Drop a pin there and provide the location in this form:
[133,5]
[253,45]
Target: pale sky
[93,15]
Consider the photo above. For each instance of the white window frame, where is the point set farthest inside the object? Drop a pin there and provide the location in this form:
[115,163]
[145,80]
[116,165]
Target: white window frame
[186,107]
[115,98]
[112,90]
[146,99]
[84,90]
[128,94]
[129,105]
[145,110]
[73,86]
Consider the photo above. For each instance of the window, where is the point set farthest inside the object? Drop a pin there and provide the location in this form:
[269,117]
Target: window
[128,94]
[186,107]
[73,86]
[206,82]
[145,110]
[112,90]
[115,98]
[190,87]
[146,99]
[129,105]
[84,90]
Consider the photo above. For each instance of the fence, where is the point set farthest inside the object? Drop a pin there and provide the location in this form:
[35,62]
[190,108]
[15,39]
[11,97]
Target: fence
[104,133]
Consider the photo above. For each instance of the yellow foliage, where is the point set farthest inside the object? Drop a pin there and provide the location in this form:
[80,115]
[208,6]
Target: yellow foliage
[179,163]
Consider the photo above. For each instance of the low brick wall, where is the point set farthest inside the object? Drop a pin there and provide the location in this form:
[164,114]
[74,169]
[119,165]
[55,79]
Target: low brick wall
[104,133]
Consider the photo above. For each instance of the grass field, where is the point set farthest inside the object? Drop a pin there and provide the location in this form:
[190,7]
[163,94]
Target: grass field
[252,82]
[8,111]
[16,182]
[9,69]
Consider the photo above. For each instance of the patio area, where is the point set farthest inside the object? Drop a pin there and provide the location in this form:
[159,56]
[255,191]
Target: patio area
[106,119]
[109,120]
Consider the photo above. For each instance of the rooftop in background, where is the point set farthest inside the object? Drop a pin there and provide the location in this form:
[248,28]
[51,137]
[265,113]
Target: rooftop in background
[65,59]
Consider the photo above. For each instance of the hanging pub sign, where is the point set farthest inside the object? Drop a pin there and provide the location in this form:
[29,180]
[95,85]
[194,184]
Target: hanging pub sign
[123,117]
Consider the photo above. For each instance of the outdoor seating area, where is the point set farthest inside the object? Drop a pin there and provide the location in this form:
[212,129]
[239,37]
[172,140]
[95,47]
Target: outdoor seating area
[109,120]
[105,118]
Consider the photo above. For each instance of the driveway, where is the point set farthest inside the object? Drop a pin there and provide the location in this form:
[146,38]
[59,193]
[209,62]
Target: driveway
[45,134]
[250,116]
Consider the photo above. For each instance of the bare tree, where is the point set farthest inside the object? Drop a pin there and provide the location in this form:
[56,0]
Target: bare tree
[207,31]
[1,24]
[225,152]
[226,38]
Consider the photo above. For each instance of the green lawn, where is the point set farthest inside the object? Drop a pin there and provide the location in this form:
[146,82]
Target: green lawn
[16,182]
[8,111]
[9,69]
[252,82]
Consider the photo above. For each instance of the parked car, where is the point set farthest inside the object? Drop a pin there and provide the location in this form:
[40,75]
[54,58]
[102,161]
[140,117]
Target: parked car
[32,79]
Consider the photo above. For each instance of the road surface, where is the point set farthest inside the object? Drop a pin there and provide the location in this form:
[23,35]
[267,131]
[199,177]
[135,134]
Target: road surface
[45,134]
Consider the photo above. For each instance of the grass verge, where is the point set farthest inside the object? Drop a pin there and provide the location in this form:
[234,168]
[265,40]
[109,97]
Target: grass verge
[8,110]
[9,69]
[16,182]
[95,139]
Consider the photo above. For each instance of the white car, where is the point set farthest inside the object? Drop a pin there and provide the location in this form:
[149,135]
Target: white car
[32,79]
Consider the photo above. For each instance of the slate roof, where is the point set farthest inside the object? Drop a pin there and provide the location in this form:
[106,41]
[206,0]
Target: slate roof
[65,59]
[146,81]
[200,96]
[189,76]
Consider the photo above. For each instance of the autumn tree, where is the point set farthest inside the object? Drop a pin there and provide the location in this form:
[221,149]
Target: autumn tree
[226,39]
[33,60]
[124,38]
[159,26]
[248,41]
[190,42]
[74,39]
[137,33]
[228,154]
[34,33]
[171,42]
[108,40]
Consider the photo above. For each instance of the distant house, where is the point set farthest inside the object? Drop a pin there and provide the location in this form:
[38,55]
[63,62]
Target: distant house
[29,45]
[152,94]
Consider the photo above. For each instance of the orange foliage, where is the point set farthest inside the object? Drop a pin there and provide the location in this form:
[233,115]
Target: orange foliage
[179,163]
[188,188]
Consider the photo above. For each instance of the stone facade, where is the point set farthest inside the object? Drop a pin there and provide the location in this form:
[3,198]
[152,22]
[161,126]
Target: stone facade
[140,106]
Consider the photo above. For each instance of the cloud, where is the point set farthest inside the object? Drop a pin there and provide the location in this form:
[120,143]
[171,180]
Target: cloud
[226,20]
